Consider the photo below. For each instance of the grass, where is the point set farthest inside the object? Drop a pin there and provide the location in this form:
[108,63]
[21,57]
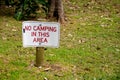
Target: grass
[89,45]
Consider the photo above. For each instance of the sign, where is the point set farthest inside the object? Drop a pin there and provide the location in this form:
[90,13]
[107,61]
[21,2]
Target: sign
[40,34]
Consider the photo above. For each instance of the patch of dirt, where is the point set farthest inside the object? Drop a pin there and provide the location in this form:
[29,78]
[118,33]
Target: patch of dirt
[55,67]
[51,67]
[6,11]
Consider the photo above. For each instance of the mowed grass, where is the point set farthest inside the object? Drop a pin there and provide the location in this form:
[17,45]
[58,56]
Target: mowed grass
[89,45]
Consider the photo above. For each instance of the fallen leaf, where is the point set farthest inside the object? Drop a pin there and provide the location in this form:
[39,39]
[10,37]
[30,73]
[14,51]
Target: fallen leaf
[4,38]
[14,30]
[59,74]
[70,35]
[45,78]
[47,69]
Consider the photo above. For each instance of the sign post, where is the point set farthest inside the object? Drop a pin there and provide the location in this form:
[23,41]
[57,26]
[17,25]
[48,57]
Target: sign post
[40,34]
[39,56]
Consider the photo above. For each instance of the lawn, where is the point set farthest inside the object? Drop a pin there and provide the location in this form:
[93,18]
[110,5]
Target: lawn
[89,45]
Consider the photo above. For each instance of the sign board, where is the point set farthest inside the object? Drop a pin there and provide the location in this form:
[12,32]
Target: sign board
[40,34]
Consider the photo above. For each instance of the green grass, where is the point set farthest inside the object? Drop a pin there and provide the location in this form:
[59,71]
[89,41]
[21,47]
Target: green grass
[89,45]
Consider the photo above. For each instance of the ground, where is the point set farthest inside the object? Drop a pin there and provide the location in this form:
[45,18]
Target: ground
[89,45]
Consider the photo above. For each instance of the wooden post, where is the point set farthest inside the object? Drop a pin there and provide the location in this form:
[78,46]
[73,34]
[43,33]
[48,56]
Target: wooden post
[39,56]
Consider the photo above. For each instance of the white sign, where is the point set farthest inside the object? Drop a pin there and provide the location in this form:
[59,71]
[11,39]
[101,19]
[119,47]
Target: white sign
[40,34]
